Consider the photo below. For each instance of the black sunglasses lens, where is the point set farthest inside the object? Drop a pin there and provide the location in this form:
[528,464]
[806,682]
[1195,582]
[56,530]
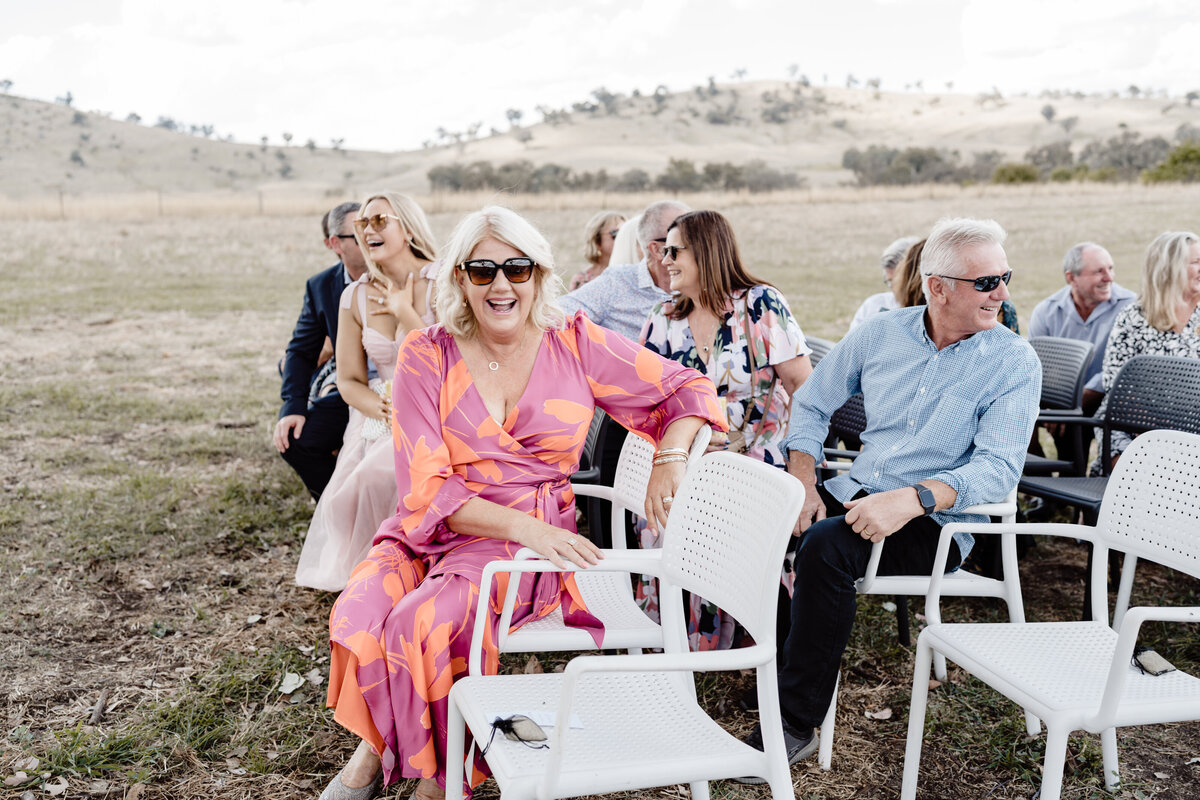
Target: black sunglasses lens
[481,274]
[990,282]
[518,273]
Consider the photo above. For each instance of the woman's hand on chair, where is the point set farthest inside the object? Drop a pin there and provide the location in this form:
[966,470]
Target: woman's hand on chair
[559,545]
[660,493]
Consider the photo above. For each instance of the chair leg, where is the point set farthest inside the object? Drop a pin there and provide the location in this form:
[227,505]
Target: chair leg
[455,735]
[902,620]
[1112,766]
[699,790]
[825,744]
[1052,766]
[916,720]
[939,667]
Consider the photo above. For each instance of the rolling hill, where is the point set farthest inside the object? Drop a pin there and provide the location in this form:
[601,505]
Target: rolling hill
[49,147]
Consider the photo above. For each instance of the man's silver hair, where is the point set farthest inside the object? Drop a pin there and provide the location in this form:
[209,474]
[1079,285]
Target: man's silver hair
[1073,260]
[950,236]
[338,214]
[656,218]
[894,253]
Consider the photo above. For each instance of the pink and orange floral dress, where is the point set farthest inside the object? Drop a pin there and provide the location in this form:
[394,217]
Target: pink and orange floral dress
[401,630]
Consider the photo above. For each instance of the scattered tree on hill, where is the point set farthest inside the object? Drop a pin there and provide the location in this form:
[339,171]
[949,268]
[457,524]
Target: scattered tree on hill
[336,144]
[1048,112]
[739,74]
[1068,123]
[514,116]
[287,138]
[1134,91]
[66,100]
[1181,164]
[79,118]
[311,145]
[1051,156]
[524,136]
[133,117]
[166,123]
[264,141]
[1190,97]
[1128,154]
[77,159]
[1187,132]
[606,99]
[5,85]
[851,81]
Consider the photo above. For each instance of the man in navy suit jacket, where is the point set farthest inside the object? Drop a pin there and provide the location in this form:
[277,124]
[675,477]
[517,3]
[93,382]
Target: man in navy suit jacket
[309,434]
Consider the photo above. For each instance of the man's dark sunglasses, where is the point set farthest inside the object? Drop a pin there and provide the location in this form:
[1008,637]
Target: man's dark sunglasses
[482,271]
[987,283]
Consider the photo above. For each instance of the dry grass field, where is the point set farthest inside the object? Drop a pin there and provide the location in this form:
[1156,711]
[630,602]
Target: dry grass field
[149,532]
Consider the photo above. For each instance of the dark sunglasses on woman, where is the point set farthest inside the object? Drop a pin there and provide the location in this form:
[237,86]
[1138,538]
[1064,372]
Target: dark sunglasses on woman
[482,271]
[987,283]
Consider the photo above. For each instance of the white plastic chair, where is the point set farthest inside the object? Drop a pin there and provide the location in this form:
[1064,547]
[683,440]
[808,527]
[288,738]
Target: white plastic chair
[1078,675]
[960,583]
[608,595]
[627,722]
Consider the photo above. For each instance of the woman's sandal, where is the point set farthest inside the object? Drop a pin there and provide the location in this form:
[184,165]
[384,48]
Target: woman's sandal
[336,790]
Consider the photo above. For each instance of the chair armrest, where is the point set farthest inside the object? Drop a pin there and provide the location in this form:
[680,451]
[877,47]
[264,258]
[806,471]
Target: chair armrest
[592,490]
[1118,671]
[934,596]
[589,475]
[1005,508]
[1069,418]
[833,452]
[646,562]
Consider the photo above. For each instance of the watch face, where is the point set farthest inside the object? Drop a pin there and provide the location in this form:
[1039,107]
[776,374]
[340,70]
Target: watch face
[925,495]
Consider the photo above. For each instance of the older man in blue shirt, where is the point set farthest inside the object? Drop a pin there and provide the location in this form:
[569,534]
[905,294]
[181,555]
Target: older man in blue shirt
[621,297]
[951,398]
[1085,308]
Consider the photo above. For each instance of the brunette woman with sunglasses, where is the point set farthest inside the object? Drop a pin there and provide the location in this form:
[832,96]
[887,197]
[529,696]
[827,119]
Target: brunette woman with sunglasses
[492,407]
[599,236]
[376,313]
[738,330]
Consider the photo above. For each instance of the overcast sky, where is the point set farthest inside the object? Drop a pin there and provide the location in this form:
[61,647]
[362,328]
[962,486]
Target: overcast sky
[384,74]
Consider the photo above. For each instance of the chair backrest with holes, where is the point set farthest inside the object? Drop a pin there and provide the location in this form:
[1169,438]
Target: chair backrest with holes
[1151,505]
[727,534]
[820,348]
[1064,364]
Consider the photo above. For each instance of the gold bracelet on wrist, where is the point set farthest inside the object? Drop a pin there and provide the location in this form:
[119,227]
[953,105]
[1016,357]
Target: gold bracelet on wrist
[670,459]
[671,451]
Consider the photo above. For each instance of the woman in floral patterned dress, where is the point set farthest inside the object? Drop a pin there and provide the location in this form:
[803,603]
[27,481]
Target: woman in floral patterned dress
[738,330]
[490,411]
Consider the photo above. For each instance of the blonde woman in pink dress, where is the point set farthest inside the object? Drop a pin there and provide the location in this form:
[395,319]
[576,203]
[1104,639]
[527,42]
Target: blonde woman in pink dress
[376,313]
[491,409]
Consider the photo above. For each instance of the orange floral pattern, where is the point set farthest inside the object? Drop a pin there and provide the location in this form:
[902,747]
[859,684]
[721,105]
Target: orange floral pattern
[405,618]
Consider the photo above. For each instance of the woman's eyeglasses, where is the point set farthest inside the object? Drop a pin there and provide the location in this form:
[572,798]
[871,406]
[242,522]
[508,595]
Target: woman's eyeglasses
[987,283]
[482,271]
[376,222]
[671,251]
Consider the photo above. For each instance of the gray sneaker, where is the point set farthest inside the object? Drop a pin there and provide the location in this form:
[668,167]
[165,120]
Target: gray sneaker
[799,745]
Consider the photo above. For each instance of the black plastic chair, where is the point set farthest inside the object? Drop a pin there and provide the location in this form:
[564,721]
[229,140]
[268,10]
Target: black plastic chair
[1149,393]
[1064,364]
[591,471]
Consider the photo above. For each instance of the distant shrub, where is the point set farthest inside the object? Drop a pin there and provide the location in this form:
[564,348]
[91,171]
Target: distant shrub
[681,175]
[1182,165]
[1016,172]
[1063,174]
[76,158]
[1049,157]
[1127,154]
[1104,175]
[880,165]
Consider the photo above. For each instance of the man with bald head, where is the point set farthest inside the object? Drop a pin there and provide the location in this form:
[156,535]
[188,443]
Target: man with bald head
[1084,309]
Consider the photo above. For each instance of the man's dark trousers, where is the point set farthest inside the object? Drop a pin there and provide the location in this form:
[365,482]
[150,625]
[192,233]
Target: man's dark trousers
[830,558]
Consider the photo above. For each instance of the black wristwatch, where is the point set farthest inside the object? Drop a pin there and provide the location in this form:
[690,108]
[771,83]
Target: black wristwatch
[925,496]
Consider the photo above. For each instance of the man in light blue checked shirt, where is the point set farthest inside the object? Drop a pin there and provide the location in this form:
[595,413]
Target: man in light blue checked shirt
[951,398]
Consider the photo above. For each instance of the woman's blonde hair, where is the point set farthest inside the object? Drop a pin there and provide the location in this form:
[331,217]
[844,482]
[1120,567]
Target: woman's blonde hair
[509,227]
[414,223]
[1164,277]
[599,225]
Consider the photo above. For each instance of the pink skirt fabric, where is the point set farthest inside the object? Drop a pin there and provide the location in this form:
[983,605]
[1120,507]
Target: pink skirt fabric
[361,494]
